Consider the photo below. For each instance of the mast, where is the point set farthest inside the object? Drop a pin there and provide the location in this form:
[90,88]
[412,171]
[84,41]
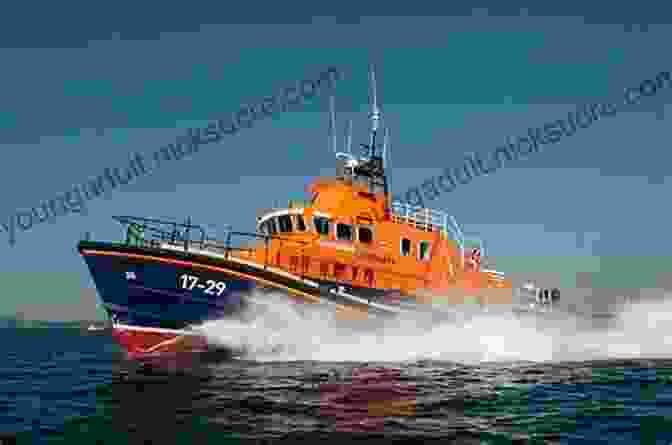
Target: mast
[374,167]
[369,169]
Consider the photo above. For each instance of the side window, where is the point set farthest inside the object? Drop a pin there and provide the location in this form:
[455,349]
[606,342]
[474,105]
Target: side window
[272,227]
[423,250]
[405,247]
[321,225]
[263,228]
[343,232]
[365,235]
[324,268]
[285,223]
[300,225]
[368,277]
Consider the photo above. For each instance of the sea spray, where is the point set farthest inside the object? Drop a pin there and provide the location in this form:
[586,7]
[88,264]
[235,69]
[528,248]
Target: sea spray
[277,330]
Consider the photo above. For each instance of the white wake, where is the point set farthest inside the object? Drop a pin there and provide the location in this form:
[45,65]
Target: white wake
[278,332]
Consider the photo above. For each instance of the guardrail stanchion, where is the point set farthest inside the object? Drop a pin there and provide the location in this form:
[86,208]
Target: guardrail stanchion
[228,245]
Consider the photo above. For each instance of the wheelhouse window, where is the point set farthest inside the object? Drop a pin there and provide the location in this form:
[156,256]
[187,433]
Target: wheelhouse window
[272,228]
[322,225]
[300,224]
[423,250]
[263,228]
[285,223]
[343,232]
[365,235]
[405,247]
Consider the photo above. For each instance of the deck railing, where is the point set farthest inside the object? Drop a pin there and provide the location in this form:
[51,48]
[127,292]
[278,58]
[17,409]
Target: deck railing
[428,219]
[435,220]
[189,237]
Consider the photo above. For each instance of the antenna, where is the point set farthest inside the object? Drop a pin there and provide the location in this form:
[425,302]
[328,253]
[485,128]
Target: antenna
[386,141]
[387,150]
[350,161]
[375,113]
[374,100]
[332,122]
[348,136]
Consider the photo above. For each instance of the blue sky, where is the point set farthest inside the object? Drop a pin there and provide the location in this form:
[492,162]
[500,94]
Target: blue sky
[85,89]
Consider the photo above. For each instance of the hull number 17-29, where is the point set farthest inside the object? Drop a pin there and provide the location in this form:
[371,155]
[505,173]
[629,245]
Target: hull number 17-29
[211,287]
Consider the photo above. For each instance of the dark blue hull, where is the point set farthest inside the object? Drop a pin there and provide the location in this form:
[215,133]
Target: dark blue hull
[164,294]
[157,298]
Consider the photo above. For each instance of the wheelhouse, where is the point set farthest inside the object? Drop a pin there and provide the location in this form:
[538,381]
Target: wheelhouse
[283,222]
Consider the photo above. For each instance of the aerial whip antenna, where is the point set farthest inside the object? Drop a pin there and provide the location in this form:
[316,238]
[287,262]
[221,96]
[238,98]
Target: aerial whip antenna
[386,141]
[350,160]
[332,122]
[387,150]
[375,113]
[348,136]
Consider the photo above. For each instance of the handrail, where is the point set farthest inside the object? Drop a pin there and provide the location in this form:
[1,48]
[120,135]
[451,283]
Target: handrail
[156,226]
[426,218]
[479,241]
[429,219]
[176,234]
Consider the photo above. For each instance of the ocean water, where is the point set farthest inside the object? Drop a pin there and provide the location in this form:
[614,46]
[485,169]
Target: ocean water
[299,377]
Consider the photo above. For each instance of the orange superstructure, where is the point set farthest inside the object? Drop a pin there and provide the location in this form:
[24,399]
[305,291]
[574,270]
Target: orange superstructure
[349,233]
[350,236]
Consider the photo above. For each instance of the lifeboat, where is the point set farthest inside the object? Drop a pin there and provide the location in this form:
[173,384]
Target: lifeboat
[346,246]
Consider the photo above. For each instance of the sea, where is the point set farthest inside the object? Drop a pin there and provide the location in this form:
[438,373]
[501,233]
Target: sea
[290,376]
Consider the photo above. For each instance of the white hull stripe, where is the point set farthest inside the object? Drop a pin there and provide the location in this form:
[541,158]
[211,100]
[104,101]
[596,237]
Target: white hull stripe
[383,307]
[126,327]
[494,272]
